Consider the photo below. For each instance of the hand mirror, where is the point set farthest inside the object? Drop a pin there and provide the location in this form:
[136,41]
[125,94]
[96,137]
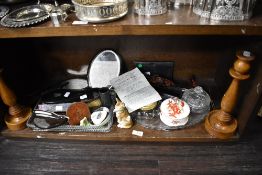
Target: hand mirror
[104,67]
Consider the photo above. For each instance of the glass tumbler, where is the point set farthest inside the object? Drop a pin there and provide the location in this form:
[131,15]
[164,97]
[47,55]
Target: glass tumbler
[150,7]
[197,99]
[58,16]
[232,10]
[224,10]
[198,6]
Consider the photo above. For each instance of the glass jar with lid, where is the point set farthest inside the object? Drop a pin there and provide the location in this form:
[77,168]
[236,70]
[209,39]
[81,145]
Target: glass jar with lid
[197,99]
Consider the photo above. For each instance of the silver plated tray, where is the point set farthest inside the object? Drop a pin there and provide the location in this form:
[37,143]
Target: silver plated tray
[75,128]
[3,11]
[26,16]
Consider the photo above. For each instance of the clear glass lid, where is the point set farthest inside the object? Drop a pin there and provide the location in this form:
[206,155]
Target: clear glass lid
[197,99]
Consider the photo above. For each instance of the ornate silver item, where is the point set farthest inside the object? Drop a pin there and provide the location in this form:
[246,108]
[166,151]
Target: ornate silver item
[227,10]
[100,10]
[3,11]
[224,10]
[150,7]
[26,16]
[231,10]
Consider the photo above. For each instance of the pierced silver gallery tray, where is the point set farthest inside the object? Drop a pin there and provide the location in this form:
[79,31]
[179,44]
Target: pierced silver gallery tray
[26,16]
[98,11]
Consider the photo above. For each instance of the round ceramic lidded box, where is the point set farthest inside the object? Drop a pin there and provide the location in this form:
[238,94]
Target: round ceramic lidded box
[150,7]
[174,112]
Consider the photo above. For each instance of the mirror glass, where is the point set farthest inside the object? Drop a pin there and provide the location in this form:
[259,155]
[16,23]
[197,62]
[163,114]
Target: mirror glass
[105,66]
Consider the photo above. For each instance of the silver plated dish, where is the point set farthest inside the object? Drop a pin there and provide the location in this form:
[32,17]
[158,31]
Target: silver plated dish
[97,11]
[26,16]
[3,11]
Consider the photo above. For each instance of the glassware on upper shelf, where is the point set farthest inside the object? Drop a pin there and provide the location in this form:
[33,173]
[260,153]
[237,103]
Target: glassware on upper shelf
[150,7]
[224,10]
[181,2]
[197,99]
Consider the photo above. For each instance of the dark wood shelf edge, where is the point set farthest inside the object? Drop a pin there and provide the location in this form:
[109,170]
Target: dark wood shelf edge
[194,134]
[180,21]
[133,30]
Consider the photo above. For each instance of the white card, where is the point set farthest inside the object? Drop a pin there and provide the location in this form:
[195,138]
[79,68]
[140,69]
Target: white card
[137,133]
[79,22]
[59,108]
[67,94]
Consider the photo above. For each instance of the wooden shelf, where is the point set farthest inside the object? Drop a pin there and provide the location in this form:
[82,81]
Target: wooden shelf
[192,134]
[196,133]
[191,56]
[180,21]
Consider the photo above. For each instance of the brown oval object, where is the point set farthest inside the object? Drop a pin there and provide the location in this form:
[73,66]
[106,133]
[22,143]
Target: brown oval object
[76,112]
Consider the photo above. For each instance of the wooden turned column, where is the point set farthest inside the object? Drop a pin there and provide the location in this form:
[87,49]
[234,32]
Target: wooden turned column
[17,114]
[220,123]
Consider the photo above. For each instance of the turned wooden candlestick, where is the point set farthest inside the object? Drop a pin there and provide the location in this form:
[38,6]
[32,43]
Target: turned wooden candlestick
[220,123]
[17,114]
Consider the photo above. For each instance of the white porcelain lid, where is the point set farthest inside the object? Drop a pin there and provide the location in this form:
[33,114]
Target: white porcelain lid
[175,108]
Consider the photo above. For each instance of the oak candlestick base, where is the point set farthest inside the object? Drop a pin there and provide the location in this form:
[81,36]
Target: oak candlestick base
[220,129]
[18,121]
